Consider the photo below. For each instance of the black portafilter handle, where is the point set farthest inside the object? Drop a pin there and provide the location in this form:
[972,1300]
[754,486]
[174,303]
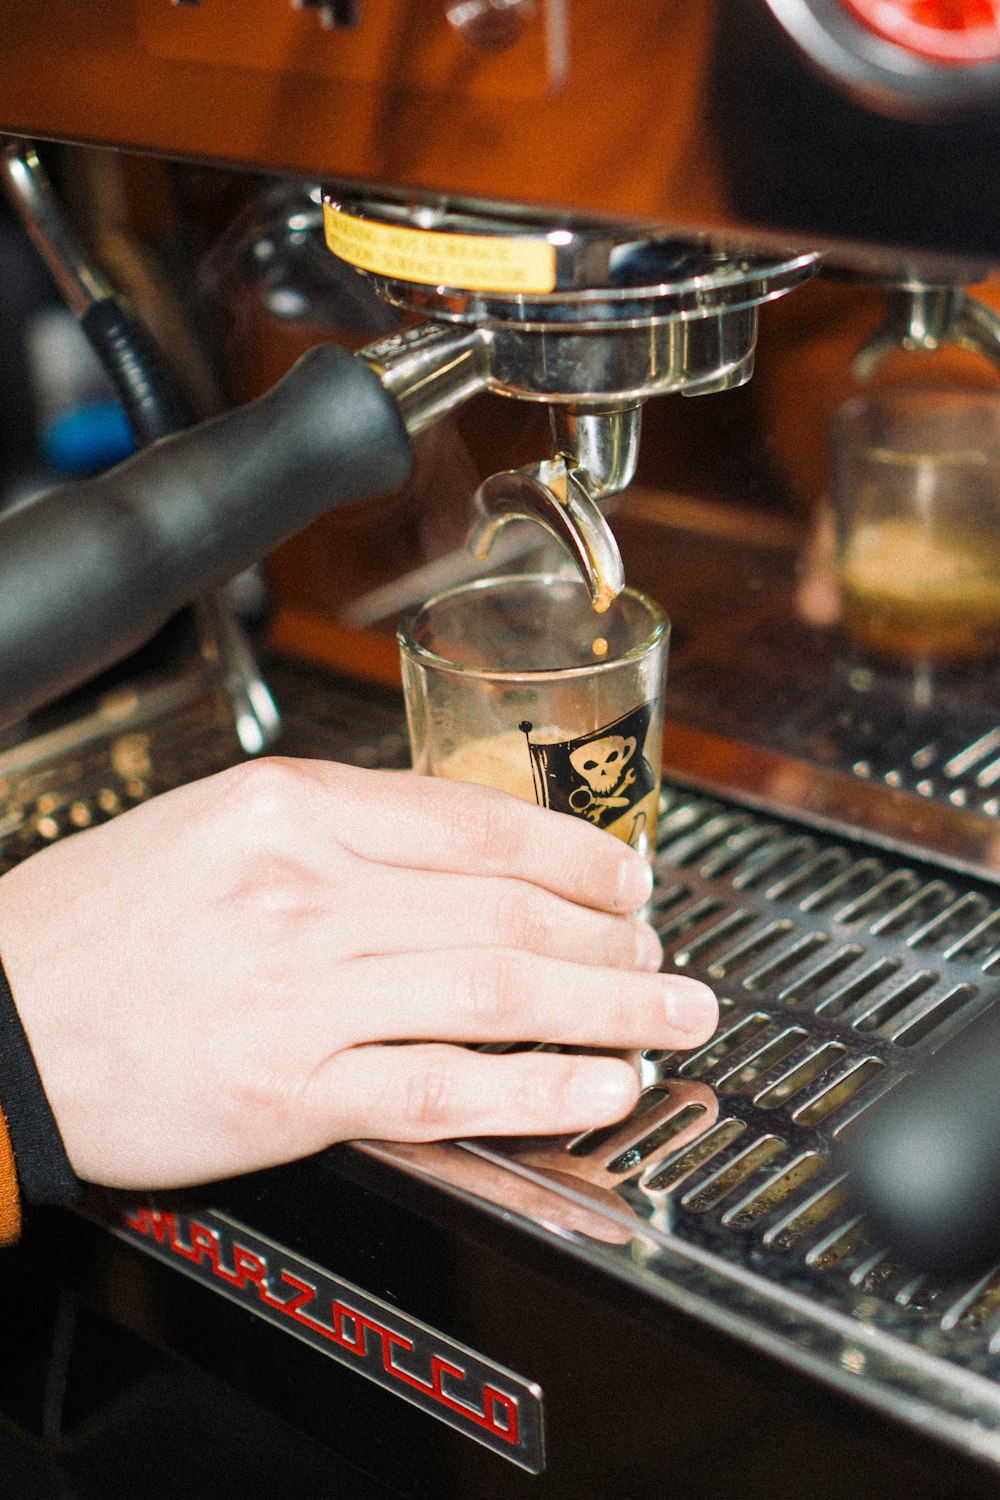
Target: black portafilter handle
[91,571]
[924,1163]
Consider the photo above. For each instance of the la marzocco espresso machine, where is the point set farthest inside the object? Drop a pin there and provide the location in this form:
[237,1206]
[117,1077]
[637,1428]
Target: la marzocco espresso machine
[537,224]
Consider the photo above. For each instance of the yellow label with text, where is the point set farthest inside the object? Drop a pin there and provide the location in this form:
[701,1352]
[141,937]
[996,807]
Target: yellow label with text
[474,262]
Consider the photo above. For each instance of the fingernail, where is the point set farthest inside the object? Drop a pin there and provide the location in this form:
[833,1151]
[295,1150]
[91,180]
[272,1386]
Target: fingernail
[692,1007]
[648,948]
[605,1090]
[635,884]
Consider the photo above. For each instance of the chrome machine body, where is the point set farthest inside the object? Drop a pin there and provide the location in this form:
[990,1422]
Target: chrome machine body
[586,211]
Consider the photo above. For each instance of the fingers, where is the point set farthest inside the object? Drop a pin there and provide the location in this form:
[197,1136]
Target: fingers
[398,913]
[398,818]
[426,1093]
[503,995]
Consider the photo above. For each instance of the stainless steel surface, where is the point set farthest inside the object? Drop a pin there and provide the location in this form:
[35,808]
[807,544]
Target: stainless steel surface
[623,314]
[602,445]
[639,359]
[596,455]
[589,319]
[80,283]
[83,286]
[880,809]
[430,370]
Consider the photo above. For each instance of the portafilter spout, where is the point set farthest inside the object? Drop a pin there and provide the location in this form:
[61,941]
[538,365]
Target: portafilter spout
[920,316]
[596,454]
[591,319]
[436,367]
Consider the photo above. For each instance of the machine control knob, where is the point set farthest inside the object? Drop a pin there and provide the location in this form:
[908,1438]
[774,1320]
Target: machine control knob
[912,59]
[952,32]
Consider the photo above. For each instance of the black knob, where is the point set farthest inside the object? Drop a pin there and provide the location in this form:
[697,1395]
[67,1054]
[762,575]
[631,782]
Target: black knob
[924,1163]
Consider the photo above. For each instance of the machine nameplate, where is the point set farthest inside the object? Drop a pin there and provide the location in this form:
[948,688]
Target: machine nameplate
[425,1367]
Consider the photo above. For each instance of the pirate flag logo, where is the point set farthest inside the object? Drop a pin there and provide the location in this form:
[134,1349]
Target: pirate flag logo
[598,776]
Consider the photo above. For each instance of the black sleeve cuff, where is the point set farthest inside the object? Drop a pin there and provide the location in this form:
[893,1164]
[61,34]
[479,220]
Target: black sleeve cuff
[43,1167]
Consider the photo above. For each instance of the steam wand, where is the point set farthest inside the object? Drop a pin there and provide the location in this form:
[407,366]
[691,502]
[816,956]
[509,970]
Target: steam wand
[152,406]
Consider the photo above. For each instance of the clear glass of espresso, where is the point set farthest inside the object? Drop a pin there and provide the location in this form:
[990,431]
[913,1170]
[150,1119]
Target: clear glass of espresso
[916,490]
[516,683]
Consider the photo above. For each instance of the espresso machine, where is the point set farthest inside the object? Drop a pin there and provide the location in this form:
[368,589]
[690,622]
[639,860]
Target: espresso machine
[308,241]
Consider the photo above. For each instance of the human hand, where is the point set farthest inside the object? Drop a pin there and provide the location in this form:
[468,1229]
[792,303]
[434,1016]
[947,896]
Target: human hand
[209,982]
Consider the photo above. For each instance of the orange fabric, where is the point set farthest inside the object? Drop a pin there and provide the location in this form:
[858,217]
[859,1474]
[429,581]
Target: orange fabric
[10,1202]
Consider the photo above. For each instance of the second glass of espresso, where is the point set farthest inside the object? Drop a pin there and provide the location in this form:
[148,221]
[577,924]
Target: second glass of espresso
[916,488]
[516,683]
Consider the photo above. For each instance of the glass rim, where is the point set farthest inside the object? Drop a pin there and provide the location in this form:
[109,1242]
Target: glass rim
[658,632]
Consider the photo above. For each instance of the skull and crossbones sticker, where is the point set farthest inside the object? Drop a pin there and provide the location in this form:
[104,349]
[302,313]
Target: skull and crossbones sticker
[601,764]
[597,776]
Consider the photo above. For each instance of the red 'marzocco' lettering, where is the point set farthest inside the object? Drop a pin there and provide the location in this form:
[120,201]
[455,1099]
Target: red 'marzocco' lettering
[507,1429]
[348,1328]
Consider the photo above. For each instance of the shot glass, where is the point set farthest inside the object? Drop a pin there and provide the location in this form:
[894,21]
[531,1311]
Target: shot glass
[916,491]
[516,683]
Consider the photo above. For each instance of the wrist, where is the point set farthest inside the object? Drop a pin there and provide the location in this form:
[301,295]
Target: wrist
[31,1134]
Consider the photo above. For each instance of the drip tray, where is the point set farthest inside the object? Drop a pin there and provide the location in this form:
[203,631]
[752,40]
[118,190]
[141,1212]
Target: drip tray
[840,968]
[839,971]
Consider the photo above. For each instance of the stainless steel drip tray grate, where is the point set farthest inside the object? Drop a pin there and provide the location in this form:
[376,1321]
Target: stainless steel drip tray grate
[838,971]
